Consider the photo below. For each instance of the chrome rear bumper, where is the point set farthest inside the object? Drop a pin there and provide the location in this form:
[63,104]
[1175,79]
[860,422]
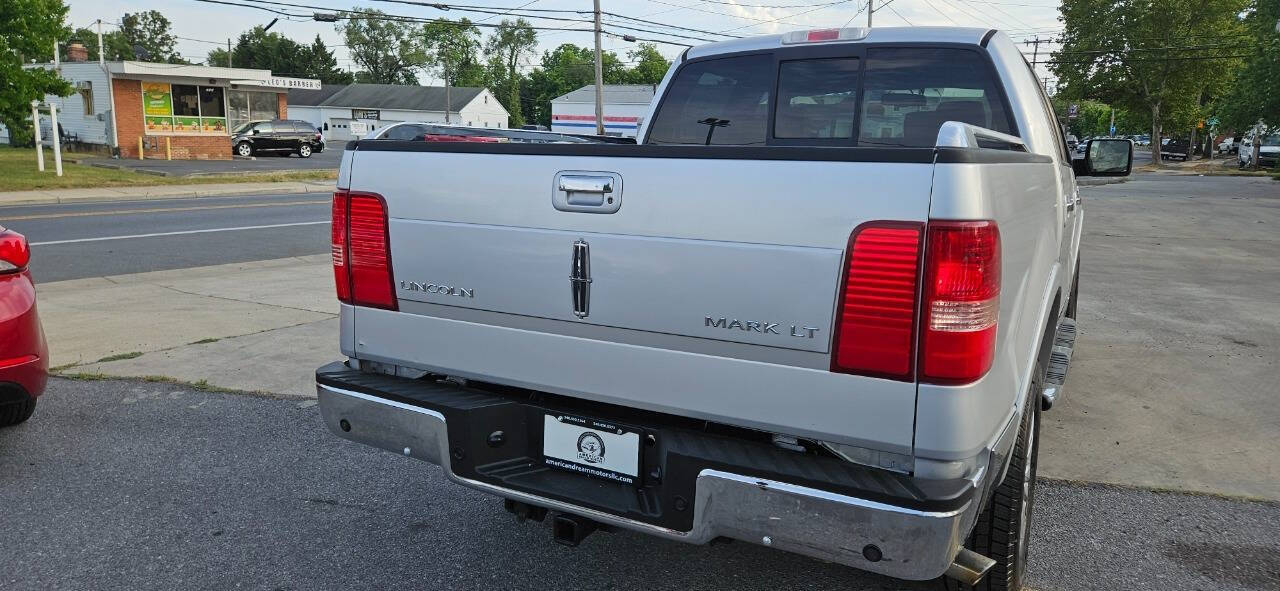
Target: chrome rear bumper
[873,536]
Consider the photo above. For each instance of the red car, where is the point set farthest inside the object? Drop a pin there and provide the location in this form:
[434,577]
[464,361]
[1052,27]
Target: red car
[24,356]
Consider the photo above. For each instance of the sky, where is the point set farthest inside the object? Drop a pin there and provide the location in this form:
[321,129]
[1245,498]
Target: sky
[202,26]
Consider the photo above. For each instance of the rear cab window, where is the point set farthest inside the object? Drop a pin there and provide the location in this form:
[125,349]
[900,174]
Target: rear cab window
[847,95]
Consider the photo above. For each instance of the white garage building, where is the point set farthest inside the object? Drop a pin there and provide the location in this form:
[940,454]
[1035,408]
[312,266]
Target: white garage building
[625,106]
[334,108]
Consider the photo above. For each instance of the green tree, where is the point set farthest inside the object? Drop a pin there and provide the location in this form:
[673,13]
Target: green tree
[322,64]
[262,50]
[1159,56]
[28,30]
[387,51]
[148,36]
[452,49]
[649,67]
[564,69]
[510,42]
[1254,93]
[114,45]
[218,57]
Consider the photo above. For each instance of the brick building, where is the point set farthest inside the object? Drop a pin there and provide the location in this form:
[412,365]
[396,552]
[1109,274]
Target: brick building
[169,110]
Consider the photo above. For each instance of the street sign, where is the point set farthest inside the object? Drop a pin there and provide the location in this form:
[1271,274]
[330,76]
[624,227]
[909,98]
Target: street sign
[358,129]
[1073,111]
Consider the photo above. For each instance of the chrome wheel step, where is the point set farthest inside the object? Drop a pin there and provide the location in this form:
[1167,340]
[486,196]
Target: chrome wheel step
[1064,343]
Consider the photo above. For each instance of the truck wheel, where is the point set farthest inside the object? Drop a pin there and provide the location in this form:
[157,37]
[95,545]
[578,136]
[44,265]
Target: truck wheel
[17,412]
[1003,529]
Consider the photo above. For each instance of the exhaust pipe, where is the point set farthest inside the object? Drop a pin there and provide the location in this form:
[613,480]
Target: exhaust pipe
[570,529]
[969,567]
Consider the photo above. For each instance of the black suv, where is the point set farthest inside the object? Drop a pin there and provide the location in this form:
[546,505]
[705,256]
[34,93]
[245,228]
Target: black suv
[281,136]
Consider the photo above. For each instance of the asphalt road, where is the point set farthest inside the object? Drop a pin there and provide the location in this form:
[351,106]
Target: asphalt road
[72,241]
[137,485]
[327,159]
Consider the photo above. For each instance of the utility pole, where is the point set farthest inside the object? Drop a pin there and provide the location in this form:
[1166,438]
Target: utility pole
[870,10]
[599,77]
[228,52]
[102,60]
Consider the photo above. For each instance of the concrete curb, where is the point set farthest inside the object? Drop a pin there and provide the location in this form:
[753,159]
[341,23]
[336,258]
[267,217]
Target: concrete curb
[56,196]
[1099,181]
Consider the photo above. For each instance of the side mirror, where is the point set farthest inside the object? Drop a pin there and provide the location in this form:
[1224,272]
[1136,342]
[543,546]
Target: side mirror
[1105,157]
[257,131]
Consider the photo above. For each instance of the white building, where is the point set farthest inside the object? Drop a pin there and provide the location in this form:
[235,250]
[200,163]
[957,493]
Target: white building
[625,106]
[333,108]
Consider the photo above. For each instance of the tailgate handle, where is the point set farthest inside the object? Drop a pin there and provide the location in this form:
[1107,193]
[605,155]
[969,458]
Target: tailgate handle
[587,191]
[586,184]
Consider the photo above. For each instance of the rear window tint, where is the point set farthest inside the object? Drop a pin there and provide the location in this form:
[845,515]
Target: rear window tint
[717,102]
[909,92]
[816,99]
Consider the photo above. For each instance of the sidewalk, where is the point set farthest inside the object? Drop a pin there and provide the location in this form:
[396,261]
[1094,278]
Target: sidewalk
[261,326]
[50,196]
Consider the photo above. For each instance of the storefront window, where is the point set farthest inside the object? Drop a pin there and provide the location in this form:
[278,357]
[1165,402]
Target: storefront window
[186,101]
[190,109]
[238,108]
[262,105]
[211,104]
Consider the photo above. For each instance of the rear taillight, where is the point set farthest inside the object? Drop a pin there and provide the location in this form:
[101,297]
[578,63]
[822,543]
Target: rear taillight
[961,301]
[362,250]
[875,333]
[14,252]
[338,237]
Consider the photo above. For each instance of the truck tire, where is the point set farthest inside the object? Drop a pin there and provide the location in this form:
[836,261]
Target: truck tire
[16,412]
[1003,529]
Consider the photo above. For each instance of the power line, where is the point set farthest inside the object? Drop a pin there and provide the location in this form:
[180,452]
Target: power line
[401,18]
[895,11]
[469,9]
[792,15]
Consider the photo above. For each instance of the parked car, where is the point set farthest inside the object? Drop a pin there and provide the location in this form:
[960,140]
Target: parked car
[1173,148]
[280,136]
[1268,151]
[1227,145]
[1072,142]
[735,352]
[24,356]
[435,132]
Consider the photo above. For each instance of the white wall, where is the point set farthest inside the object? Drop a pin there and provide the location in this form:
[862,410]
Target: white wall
[485,111]
[619,118]
[71,111]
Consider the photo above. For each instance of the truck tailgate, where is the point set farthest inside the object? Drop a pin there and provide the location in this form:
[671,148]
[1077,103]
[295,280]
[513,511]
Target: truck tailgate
[701,286]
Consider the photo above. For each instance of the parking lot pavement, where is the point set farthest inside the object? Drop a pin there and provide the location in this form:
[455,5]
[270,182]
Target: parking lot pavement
[328,159]
[136,485]
[1173,382]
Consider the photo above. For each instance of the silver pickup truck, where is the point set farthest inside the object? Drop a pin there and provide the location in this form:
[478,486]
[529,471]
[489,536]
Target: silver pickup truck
[817,306]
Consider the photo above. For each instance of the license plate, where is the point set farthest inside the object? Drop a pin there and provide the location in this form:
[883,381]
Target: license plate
[591,447]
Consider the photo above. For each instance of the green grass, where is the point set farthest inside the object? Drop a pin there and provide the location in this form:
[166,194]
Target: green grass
[18,173]
[86,377]
[121,356]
